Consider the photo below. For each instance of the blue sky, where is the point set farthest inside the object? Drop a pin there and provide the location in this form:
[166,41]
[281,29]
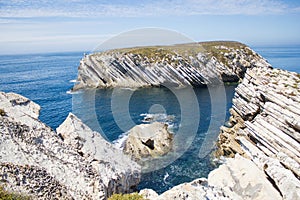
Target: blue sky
[79,25]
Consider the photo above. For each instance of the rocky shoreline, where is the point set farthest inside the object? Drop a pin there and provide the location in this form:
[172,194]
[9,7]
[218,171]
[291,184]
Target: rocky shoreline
[72,163]
[260,146]
[265,119]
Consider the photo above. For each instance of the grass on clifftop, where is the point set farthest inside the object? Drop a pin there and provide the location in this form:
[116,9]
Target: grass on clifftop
[159,53]
[4,195]
[132,196]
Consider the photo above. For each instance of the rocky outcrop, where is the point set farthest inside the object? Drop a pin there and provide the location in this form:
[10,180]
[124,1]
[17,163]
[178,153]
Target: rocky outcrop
[265,119]
[75,163]
[193,64]
[238,179]
[148,140]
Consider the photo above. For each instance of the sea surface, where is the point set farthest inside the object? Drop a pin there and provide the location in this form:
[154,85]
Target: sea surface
[47,78]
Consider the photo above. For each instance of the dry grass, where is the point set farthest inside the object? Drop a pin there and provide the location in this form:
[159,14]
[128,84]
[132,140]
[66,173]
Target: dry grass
[4,195]
[132,196]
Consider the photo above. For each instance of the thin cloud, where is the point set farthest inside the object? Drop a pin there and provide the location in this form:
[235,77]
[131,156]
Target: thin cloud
[58,38]
[81,8]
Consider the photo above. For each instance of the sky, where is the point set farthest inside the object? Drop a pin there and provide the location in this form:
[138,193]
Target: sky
[38,26]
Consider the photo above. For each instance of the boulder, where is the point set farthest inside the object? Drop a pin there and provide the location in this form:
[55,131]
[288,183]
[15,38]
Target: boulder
[148,140]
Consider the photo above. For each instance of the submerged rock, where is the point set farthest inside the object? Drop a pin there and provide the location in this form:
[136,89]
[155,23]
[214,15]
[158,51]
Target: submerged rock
[75,163]
[148,140]
[194,64]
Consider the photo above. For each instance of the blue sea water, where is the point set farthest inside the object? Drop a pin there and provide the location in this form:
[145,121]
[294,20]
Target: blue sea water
[46,78]
[287,58]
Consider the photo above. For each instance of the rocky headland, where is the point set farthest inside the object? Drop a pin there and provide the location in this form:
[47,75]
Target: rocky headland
[195,64]
[259,145]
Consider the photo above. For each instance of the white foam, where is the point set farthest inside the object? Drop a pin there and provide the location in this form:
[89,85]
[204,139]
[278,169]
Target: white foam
[73,92]
[127,88]
[160,117]
[165,178]
[73,81]
[119,143]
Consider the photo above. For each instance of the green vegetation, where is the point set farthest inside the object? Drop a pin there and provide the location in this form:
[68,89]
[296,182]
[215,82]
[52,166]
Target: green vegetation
[2,112]
[155,53]
[214,49]
[132,196]
[159,53]
[4,195]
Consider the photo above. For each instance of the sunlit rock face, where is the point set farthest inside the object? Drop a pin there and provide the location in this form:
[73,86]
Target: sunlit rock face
[148,140]
[265,119]
[72,163]
[194,64]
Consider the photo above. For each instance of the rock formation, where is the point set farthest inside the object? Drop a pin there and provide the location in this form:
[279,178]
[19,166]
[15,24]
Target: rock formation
[238,179]
[75,163]
[148,140]
[193,64]
[265,119]
[264,129]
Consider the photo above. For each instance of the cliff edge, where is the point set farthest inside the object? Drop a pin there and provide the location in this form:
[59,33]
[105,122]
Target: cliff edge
[72,163]
[265,126]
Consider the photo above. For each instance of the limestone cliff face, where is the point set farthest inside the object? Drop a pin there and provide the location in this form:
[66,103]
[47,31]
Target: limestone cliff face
[265,130]
[74,163]
[193,64]
[265,126]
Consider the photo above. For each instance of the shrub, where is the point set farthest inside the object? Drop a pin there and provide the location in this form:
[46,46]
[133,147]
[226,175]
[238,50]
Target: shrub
[132,196]
[4,195]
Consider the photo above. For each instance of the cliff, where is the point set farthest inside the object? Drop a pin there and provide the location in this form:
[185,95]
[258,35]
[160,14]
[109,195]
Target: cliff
[265,126]
[72,163]
[194,64]
[262,141]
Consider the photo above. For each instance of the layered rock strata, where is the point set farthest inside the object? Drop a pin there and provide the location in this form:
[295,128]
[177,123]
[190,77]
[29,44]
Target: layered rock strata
[265,119]
[75,163]
[193,64]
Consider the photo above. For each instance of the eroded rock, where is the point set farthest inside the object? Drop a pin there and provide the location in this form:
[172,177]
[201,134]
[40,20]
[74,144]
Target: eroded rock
[265,119]
[195,64]
[148,140]
[77,163]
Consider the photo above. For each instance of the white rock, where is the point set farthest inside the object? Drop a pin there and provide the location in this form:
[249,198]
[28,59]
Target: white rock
[37,161]
[241,179]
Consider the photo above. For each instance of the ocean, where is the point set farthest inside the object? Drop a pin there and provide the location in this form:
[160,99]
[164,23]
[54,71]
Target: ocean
[47,78]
